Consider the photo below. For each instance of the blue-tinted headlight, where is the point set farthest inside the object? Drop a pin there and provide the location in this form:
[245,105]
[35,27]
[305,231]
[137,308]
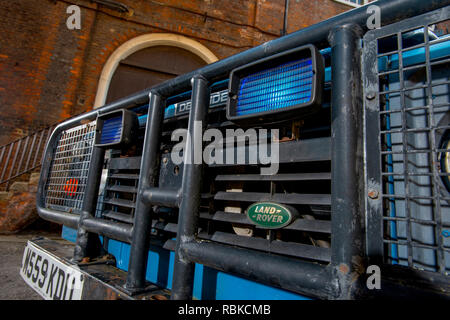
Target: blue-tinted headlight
[277,85]
[277,88]
[116,128]
[112,130]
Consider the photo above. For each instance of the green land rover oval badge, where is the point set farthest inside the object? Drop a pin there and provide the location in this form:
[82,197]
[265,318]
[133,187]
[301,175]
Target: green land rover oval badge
[270,215]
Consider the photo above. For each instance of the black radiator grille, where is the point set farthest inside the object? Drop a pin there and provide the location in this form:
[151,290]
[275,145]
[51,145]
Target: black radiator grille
[119,198]
[303,181]
[307,237]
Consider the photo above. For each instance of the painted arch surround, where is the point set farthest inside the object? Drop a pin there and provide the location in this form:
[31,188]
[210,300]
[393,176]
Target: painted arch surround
[141,42]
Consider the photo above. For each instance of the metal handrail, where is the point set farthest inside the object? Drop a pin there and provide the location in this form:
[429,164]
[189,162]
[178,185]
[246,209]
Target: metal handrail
[23,155]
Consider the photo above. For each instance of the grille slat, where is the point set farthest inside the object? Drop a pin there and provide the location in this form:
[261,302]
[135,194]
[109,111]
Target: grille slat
[125,163]
[298,250]
[309,150]
[170,245]
[298,225]
[122,188]
[171,227]
[297,198]
[281,247]
[124,176]
[118,216]
[276,177]
[120,202]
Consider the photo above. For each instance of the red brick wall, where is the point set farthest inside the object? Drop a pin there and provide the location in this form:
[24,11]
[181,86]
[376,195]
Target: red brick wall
[48,72]
[303,13]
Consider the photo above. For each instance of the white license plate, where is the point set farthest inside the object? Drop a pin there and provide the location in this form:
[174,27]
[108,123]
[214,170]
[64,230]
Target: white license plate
[50,276]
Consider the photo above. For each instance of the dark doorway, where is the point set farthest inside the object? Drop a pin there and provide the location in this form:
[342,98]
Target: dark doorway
[148,67]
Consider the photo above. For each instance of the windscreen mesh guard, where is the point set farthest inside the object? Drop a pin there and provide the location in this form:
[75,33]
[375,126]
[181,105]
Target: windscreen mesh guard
[68,174]
[282,85]
[407,130]
[414,118]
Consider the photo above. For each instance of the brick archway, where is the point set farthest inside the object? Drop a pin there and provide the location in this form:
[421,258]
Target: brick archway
[142,42]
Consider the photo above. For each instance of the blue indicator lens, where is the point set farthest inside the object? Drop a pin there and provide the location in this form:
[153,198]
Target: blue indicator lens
[112,130]
[280,87]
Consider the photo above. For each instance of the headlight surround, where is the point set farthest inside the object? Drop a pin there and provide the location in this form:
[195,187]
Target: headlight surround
[282,86]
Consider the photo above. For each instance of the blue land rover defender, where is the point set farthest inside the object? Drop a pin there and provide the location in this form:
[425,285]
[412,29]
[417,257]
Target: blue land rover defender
[356,120]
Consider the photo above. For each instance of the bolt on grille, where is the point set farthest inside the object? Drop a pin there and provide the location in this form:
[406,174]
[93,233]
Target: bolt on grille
[120,189]
[413,76]
[69,169]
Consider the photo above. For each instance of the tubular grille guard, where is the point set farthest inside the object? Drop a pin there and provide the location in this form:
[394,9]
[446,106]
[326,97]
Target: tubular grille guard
[410,118]
[68,173]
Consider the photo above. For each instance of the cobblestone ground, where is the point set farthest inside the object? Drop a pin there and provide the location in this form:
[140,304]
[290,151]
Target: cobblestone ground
[12,286]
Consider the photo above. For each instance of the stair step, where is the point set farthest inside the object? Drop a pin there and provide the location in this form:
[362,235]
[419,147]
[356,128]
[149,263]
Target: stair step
[19,187]
[34,178]
[5,196]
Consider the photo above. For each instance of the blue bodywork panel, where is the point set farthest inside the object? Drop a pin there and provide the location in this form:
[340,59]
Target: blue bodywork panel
[209,284]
